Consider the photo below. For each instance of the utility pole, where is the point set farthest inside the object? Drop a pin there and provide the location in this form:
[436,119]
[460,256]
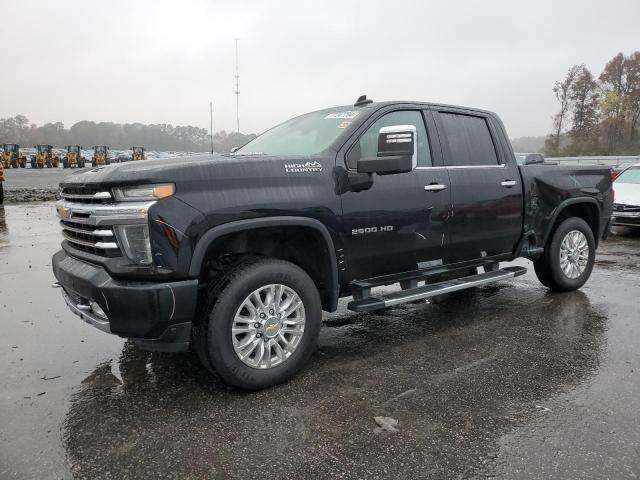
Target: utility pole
[211,124]
[237,90]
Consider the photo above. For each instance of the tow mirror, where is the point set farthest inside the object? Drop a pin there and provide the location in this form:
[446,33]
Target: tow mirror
[397,151]
[534,159]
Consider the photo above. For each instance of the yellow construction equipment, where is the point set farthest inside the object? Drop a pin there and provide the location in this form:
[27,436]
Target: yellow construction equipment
[45,156]
[100,156]
[138,153]
[73,158]
[12,156]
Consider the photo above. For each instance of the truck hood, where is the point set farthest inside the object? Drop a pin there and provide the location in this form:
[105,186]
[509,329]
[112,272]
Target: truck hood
[627,193]
[146,171]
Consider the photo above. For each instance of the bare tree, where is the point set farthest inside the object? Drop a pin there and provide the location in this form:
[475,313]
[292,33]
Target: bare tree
[583,103]
[562,91]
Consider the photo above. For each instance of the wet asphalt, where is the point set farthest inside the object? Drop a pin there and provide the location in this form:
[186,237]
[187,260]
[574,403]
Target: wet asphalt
[506,381]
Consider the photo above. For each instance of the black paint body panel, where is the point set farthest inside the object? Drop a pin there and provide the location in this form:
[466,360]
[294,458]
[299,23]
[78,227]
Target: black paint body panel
[403,226]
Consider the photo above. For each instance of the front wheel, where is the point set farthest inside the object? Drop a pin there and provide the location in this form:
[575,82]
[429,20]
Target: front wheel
[259,323]
[568,258]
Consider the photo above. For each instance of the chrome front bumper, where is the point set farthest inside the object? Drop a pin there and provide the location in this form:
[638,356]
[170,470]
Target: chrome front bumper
[83,310]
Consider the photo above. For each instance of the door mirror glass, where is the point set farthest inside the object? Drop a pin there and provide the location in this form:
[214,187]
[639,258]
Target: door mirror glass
[396,151]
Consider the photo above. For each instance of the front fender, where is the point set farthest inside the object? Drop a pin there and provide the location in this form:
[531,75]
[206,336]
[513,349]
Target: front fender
[214,233]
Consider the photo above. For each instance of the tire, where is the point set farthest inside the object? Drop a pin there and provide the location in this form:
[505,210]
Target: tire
[548,267]
[65,164]
[1,193]
[212,333]
[33,164]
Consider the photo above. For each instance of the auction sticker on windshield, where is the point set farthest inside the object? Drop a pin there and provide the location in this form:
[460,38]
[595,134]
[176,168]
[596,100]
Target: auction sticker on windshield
[345,114]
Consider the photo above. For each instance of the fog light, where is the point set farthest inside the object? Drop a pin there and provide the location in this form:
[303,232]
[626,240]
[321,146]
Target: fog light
[135,242]
[95,308]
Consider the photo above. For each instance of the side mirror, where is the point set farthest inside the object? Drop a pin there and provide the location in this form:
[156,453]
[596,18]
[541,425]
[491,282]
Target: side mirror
[534,159]
[397,151]
[235,149]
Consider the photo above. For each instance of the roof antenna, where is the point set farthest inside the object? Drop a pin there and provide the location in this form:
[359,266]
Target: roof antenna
[362,100]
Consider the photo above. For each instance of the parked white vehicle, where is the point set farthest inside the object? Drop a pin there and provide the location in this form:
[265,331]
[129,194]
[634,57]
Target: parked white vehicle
[626,209]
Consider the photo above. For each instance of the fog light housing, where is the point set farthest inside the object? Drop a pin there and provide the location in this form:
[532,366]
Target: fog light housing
[97,311]
[135,242]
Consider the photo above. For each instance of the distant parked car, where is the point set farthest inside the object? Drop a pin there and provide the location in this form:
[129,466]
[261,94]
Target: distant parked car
[529,158]
[622,166]
[626,208]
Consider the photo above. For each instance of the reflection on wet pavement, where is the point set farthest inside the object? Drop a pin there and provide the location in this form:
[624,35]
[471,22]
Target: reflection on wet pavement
[478,383]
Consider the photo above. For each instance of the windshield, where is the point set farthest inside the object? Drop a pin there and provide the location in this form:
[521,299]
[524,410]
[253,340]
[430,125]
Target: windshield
[73,148]
[307,134]
[630,175]
[101,149]
[42,148]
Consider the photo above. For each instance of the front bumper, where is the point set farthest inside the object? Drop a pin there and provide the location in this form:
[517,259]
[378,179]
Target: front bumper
[631,219]
[156,315]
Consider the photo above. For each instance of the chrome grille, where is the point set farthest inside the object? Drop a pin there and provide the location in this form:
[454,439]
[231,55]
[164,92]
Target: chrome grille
[86,195]
[98,240]
[620,207]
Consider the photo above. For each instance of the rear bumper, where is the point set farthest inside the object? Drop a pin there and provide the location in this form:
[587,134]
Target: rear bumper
[157,316]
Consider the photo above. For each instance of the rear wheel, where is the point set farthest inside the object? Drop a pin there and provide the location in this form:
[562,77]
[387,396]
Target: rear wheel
[1,193]
[568,258]
[259,323]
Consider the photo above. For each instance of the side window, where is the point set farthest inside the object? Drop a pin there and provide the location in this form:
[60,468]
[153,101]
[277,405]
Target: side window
[367,145]
[469,139]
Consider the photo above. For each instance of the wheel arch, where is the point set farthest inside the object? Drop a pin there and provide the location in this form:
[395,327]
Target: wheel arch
[586,208]
[328,270]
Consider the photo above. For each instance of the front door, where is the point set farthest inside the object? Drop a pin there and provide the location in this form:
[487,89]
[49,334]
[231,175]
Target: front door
[486,193]
[396,224]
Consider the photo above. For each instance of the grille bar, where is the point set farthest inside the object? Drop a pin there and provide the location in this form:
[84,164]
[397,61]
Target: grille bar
[95,233]
[86,243]
[85,195]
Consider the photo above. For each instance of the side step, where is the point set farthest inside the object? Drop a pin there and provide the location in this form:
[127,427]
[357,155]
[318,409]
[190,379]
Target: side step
[371,303]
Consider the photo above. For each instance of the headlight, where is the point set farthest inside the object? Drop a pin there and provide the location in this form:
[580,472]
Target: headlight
[135,242]
[144,192]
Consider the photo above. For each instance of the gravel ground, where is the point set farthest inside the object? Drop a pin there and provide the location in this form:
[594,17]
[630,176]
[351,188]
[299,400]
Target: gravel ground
[506,381]
[29,185]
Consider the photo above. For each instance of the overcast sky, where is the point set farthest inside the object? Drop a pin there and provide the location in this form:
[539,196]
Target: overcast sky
[156,61]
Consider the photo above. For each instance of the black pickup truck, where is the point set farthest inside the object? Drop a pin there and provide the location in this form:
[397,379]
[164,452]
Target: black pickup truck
[236,256]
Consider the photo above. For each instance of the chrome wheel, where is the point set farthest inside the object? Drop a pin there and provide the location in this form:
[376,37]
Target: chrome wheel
[268,326]
[574,254]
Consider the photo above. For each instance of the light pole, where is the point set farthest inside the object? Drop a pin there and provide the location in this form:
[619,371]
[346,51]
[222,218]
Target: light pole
[237,90]
[211,124]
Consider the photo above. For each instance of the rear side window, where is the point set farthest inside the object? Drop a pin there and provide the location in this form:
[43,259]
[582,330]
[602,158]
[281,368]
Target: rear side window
[469,139]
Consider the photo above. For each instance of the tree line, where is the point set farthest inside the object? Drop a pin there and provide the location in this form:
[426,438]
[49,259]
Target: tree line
[165,137]
[598,115]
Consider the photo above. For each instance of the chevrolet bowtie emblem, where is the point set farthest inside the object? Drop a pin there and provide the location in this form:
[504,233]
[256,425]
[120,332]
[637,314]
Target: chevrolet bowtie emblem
[64,213]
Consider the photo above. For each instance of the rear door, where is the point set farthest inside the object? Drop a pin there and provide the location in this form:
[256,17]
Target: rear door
[486,193]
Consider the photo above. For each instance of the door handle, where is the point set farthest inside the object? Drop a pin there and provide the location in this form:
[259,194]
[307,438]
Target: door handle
[508,183]
[434,187]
